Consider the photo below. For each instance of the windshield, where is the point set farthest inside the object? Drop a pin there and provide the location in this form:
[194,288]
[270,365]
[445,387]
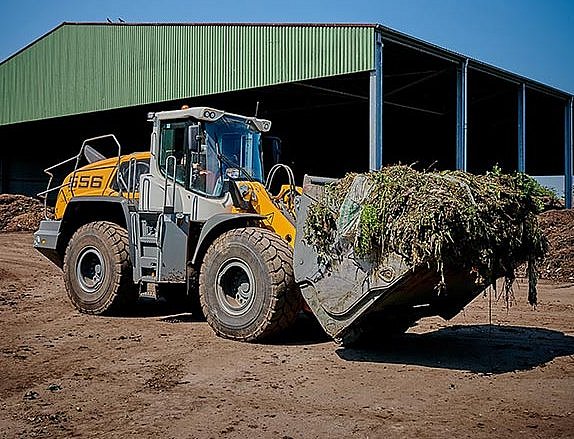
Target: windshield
[191,156]
[238,143]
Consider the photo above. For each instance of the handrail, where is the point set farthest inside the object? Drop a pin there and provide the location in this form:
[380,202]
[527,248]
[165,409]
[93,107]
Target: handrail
[132,175]
[144,194]
[130,185]
[158,242]
[169,159]
[44,194]
[77,157]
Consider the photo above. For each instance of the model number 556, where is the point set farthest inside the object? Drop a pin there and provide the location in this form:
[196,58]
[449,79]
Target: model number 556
[84,181]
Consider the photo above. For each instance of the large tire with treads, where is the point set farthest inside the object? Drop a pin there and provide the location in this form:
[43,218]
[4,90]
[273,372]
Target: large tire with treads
[246,285]
[97,269]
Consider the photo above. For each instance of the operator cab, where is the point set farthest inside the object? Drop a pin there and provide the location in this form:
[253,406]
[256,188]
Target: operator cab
[202,148]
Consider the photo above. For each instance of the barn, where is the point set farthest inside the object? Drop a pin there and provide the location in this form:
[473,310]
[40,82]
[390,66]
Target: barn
[342,97]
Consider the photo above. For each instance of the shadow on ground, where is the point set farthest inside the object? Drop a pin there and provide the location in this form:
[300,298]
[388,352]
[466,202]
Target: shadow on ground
[476,348]
[159,308]
[306,330]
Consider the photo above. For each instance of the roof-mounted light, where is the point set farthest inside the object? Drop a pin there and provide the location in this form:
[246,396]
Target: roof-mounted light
[262,125]
[209,114]
[206,113]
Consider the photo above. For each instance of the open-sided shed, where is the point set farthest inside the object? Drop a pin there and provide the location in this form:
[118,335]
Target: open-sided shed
[342,97]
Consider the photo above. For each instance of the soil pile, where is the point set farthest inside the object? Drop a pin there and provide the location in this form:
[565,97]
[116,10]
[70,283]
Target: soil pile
[20,213]
[558,226]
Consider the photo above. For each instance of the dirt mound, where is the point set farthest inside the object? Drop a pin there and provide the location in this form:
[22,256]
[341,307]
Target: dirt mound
[20,213]
[558,226]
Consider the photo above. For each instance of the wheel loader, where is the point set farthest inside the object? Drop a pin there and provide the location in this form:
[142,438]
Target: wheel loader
[195,218]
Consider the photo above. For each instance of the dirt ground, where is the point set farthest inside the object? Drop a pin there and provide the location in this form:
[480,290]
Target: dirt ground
[64,374]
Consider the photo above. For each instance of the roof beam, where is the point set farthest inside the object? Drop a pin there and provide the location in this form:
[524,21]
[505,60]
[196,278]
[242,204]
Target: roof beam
[332,91]
[416,82]
[411,107]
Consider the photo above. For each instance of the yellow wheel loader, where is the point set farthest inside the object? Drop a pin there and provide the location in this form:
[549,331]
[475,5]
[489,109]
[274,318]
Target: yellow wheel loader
[195,217]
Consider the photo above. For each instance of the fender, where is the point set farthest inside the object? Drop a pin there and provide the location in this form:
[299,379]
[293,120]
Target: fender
[107,200]
[94,209]
[218,224]
[123,203]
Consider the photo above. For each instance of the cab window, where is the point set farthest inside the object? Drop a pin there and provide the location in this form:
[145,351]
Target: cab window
[196,159]
[173,143]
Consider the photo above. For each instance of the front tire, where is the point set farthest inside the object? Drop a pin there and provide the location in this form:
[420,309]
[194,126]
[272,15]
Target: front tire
[98,270]
[246,285]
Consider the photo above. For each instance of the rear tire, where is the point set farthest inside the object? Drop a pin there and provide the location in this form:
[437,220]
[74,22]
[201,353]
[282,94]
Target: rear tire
[97,269]
[246,285]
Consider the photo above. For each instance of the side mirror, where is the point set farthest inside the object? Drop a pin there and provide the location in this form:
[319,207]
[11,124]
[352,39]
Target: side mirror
[272,153]
[193,138]
[276,149]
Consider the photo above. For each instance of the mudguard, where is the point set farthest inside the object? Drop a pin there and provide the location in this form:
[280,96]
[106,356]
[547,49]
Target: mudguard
[216,225]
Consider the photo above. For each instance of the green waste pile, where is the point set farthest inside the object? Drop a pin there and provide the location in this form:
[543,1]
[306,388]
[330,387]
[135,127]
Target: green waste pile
[483,223]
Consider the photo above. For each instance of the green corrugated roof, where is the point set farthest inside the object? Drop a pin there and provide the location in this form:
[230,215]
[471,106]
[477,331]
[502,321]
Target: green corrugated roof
[79,68]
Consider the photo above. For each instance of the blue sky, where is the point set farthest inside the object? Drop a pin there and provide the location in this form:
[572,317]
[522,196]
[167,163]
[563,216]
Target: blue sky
[534,38]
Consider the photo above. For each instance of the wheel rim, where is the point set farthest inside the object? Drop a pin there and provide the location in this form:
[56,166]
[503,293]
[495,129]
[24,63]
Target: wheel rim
[90,269]
[235,287]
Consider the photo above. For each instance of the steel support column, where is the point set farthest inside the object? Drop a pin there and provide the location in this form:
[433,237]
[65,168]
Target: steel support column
[461,115]
[376,107]
[568,146]
[522,128]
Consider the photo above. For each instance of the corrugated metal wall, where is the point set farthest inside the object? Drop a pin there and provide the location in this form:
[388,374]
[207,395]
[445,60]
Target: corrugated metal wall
[81,68]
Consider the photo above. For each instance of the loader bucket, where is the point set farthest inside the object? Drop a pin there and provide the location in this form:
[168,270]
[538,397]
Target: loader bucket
[350,296]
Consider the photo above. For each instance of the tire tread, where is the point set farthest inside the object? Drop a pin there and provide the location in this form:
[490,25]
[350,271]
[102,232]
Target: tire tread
[286,301]
[124,291]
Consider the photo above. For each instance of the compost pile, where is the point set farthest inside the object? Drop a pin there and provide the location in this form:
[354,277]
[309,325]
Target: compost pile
[20,213]
[558,226]
[483,223]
